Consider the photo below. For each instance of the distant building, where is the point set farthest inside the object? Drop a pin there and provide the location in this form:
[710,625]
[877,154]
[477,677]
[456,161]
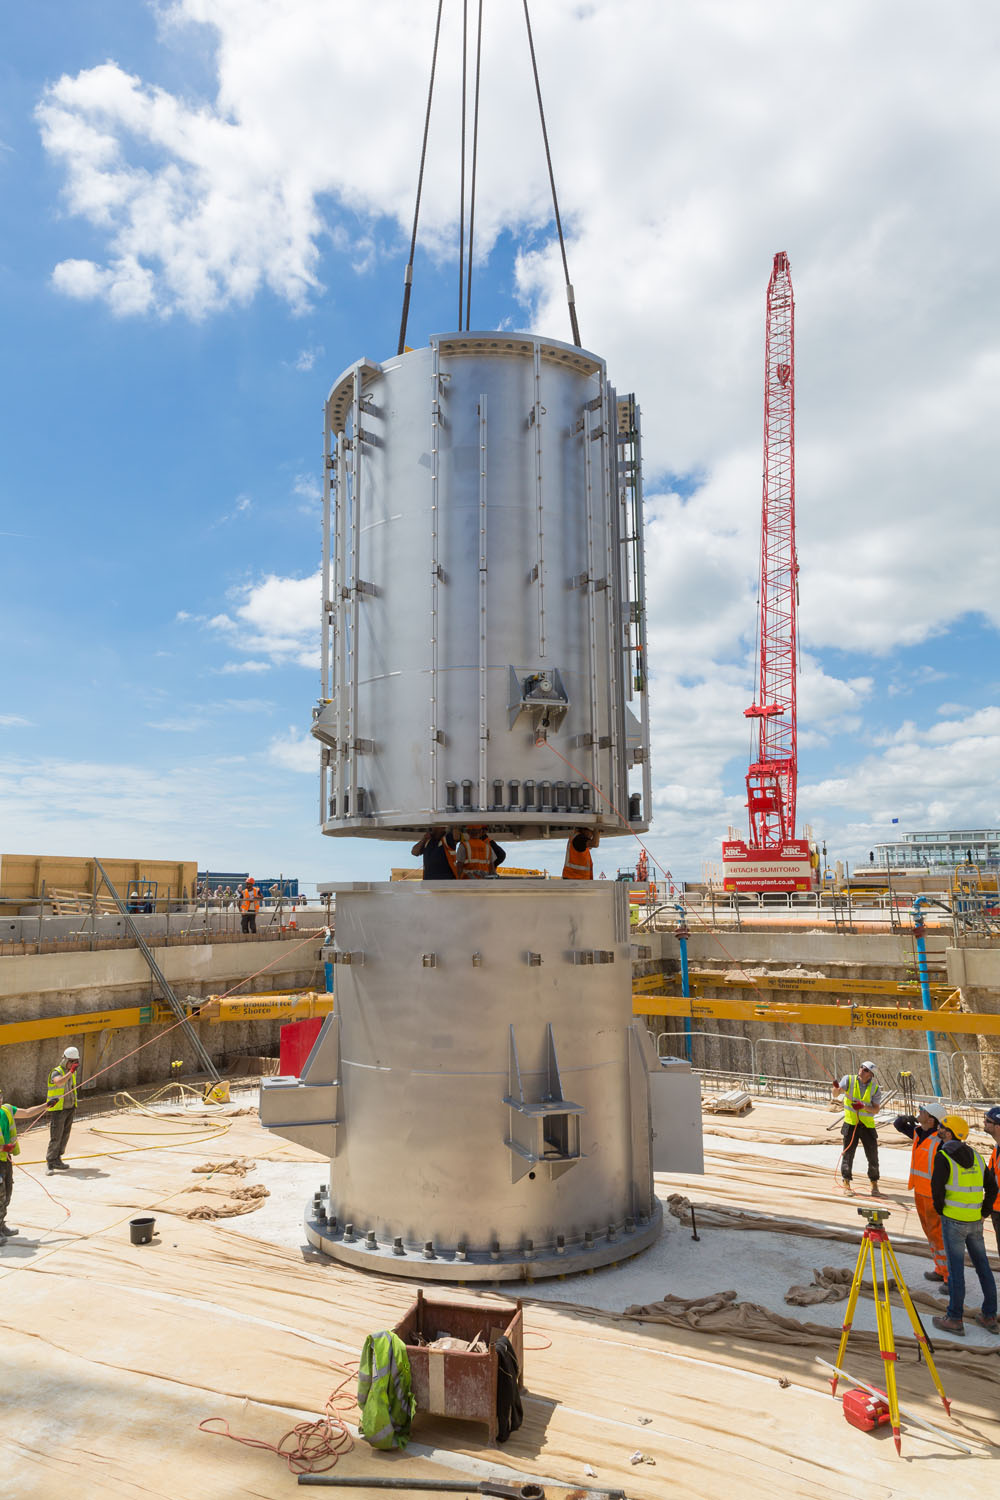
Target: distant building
[955,846]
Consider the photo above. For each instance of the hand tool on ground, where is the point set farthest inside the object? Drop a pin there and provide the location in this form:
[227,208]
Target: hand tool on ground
[494,1487]
[876,1234]
[905,1411]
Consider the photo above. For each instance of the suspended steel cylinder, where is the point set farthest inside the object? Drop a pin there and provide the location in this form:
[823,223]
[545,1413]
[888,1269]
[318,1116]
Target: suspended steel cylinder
[484,637]
[482,1090]
[492,1095]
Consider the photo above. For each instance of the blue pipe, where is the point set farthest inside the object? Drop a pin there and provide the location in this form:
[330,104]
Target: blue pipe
[925,993]
[682,934]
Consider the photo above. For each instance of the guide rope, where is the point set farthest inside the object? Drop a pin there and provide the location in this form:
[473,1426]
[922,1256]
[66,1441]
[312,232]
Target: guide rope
[570,295]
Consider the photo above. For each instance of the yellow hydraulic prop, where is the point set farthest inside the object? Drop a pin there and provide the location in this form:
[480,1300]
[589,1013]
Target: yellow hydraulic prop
[876,1235]
[877,1017]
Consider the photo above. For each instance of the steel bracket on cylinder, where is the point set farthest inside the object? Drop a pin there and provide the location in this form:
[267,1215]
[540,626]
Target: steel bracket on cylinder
[537,697]
[543,1131]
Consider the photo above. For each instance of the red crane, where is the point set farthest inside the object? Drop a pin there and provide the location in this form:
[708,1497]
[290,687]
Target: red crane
[773,858]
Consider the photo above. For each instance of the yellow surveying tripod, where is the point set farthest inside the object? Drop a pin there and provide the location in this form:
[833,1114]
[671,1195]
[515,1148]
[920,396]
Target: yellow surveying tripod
[875,1234]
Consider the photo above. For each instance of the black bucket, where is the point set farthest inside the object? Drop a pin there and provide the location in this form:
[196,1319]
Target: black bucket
[141,1230]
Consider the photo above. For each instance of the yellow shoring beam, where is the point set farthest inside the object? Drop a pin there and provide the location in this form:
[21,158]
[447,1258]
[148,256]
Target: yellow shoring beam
[261,1007]
[267,1007]
[880,1018]
[81,1023]
[285,1007]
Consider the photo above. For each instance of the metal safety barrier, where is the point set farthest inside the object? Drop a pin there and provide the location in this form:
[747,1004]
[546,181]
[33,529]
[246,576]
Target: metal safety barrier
[781,1068]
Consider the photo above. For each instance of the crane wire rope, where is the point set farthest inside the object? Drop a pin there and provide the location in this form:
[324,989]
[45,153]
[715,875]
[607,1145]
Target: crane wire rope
[570,295]
[472,181]
[465,264]
[408,279]
[461,171]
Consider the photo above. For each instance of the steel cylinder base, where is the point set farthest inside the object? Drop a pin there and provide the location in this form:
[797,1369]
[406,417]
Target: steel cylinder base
[449,1264]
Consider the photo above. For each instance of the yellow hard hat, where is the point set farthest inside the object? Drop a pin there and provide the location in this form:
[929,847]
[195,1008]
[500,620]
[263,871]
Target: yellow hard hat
[957,1126]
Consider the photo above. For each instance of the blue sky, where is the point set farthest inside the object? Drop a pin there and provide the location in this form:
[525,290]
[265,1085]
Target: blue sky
[205,215]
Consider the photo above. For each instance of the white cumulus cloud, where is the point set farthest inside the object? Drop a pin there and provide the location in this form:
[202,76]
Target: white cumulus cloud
[277,618]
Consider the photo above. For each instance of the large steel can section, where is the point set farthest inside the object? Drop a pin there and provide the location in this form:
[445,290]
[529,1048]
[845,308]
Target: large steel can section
[492,1099]
[483,594]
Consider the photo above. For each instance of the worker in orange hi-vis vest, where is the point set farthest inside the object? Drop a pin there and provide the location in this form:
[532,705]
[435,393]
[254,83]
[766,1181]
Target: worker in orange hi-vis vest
[922,1130]
[478,856]
[249,906]
[578,864]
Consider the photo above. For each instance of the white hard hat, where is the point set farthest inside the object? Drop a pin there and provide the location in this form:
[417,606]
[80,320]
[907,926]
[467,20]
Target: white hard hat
[869,1065]
[938,1109]
[72,1054]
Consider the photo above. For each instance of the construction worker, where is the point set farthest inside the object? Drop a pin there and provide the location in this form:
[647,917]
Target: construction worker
[478,856]
[862,1098]
[991,1124]
[964,1190]
[578,864]
[328,946]
[61,1099]
[922,1130]
[437,848]
[9,1148]
[249,906]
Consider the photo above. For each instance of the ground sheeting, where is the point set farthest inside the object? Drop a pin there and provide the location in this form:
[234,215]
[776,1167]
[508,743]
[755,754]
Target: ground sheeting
[114,1353]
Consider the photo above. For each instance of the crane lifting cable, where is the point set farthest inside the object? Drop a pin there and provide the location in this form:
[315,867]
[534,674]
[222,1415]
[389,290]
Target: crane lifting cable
[466,228]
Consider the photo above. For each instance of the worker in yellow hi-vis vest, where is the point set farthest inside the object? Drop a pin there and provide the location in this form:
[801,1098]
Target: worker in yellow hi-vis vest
[862,1099]
[9,1148]
[61,1097]
[964,1190]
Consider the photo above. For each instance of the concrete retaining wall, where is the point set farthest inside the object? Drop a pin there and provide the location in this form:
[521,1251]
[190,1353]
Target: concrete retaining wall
[40,986]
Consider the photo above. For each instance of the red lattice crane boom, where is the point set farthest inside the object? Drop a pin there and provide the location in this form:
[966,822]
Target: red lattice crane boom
[773,858]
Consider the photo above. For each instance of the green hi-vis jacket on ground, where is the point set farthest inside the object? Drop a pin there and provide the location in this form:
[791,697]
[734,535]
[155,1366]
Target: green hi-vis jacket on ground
[384,1397]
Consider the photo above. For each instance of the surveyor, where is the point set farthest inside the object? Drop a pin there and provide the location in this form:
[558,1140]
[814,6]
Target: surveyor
[9,1148]
[862,1097]
[478,856]
[964,1190]
[249,906]
[922,1130]
[991,1124]
[437,847]
[578,864]
[61,1100]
